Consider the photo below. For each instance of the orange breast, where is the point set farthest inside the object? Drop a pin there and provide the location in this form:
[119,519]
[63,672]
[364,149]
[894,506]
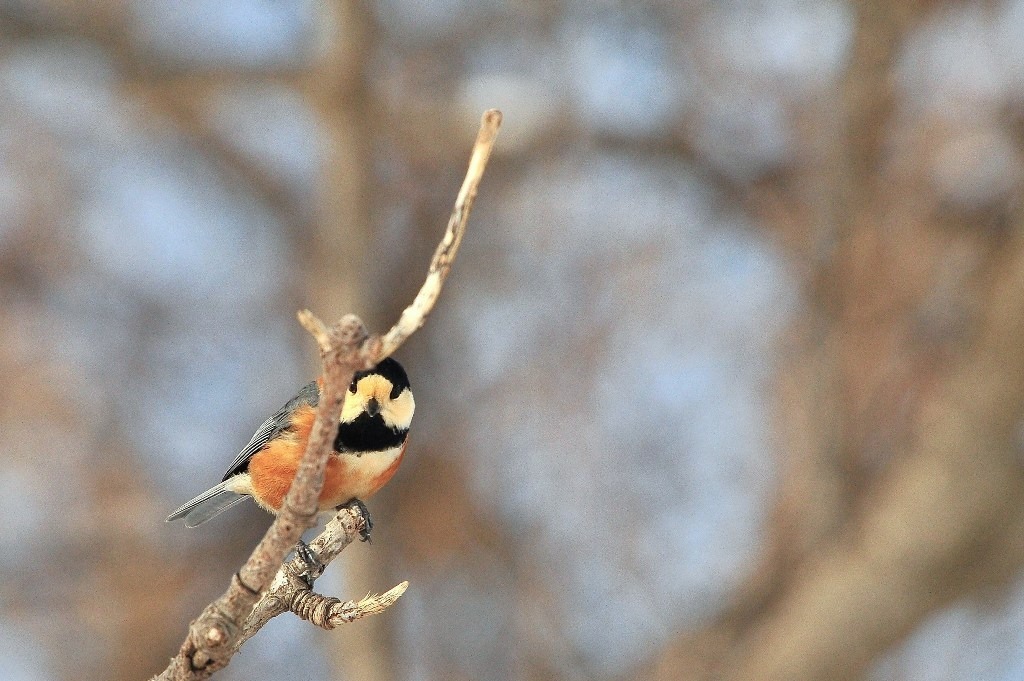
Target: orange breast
[346,477]
[272,470]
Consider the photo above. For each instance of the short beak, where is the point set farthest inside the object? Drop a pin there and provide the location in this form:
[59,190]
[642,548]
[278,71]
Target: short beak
[372,407]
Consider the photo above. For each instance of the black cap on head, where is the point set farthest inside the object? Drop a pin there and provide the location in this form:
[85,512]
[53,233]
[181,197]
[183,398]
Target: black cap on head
[391,370]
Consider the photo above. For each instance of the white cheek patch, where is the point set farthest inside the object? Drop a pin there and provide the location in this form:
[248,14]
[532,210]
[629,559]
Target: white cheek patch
[355,404]
[398,412]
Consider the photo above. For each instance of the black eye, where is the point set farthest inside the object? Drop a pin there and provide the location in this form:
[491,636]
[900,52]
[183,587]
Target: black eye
[352,388]
[395,392]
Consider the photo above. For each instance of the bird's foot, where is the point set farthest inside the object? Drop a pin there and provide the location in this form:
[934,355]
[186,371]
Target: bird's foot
[357,504]
[314,566]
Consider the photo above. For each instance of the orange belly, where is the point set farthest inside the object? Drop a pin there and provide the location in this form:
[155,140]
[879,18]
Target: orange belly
[346,477]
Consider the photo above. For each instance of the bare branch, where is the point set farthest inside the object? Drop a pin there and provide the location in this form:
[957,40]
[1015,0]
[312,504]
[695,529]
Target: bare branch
[213,635]
[415,315]
[251,599]
[310,322]
[290,592]
[328,612]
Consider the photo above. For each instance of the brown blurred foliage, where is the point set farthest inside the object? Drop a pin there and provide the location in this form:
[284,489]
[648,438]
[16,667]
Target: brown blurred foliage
[888,181]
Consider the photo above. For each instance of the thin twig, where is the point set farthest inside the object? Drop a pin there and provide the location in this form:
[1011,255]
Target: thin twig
[250,600]
[414,316]
[310,322]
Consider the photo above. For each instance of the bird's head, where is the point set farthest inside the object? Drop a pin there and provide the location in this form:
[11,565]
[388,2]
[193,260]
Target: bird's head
[378,408]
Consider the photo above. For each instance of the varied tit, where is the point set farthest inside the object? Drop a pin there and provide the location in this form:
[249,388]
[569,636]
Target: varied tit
[369,447]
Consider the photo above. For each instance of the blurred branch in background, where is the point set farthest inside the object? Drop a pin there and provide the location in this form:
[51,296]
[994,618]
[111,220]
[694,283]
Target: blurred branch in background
[901,478]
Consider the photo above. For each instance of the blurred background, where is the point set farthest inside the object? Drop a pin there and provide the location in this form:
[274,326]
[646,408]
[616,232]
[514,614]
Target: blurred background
[727,382]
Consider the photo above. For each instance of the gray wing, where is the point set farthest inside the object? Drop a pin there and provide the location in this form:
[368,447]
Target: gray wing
[259,440]
[217,499]
[310,395]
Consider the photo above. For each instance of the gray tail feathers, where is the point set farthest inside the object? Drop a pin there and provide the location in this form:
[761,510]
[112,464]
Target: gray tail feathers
[210,503]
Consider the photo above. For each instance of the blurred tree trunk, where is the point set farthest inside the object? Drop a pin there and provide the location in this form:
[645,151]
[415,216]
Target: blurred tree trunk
[901,392]
[338,270]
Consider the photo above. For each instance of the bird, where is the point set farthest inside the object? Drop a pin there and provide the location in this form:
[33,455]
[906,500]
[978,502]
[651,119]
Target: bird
[372,437]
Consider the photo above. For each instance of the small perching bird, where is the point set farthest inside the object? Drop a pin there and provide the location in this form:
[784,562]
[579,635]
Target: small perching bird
[370,444]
